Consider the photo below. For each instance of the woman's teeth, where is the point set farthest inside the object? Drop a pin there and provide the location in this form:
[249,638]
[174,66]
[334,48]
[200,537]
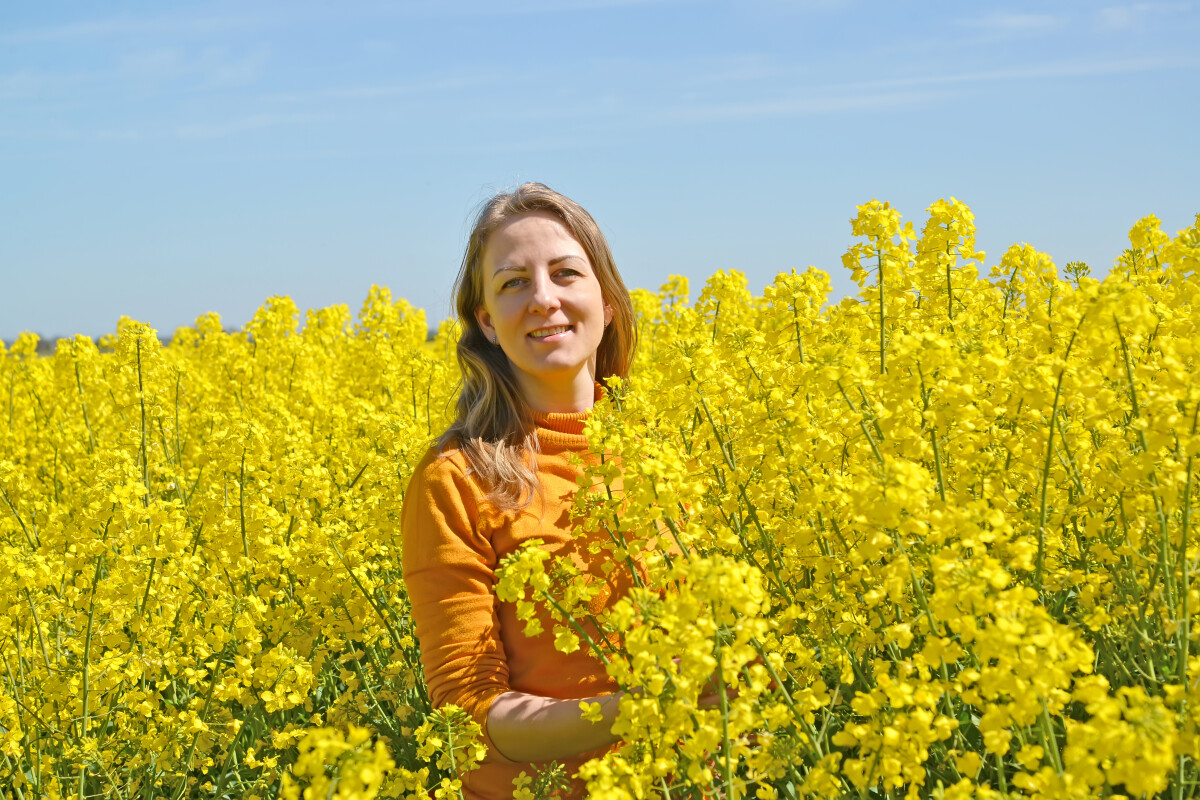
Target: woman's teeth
[544,332]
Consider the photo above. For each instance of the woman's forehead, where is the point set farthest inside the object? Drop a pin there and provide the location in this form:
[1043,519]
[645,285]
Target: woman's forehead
[534,233]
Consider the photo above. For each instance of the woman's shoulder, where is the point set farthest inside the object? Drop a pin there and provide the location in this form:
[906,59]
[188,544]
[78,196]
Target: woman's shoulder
[442,461]
[442,480]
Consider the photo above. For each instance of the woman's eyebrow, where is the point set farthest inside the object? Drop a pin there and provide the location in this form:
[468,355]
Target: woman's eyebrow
[523,268]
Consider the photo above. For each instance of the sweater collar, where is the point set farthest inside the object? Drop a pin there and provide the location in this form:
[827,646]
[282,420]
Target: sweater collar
[564,430]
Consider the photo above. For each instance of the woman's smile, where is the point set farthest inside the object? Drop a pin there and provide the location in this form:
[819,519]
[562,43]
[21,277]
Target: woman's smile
[549,334]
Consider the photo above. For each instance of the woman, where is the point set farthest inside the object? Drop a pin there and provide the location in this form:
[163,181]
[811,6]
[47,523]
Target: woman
[545,316]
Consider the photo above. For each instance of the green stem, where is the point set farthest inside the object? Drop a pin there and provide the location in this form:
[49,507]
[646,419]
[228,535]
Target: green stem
[187,765]
[1185,564]
[862,423]
[674,529]
[370,600]
[797,714]
[1163,568]
[142,403]
[17,696]
[1042,514]
[882,317]
[1049,741]
[1041,531]
[87,656]
[570,620]
[34,542]
[37,625]
[937,454]
[796,326]
[728,746]
[83,404]
[949,291]
[11,768]
[242,504]
[450,753]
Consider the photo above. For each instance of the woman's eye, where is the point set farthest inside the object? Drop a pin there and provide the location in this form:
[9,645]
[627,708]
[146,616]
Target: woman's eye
[508,284]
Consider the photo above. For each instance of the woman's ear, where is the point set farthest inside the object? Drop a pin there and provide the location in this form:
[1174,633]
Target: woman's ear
[608,315]
[485,322]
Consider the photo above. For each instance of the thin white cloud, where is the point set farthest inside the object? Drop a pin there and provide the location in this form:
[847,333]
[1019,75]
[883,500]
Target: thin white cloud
[753,90]
[379,48]
[1132,15]
[882,95]
[1011,22]
[818,103]
[448,83]
[221,68]
[489,8]
[1077,69]
[153,68]
[191,24]
[66,133]
[791,6]
[130,26]
[246,124]
[27,83]
[536,7]
[749,73]
[158,64]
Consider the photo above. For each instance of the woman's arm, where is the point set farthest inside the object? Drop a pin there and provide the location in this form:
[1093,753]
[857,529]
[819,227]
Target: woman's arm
[526,727]
[449,569]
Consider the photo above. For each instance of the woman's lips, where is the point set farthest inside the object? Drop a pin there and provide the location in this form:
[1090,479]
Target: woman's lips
[542,334]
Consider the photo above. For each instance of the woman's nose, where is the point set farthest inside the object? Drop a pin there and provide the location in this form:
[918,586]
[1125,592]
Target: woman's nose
[544,298]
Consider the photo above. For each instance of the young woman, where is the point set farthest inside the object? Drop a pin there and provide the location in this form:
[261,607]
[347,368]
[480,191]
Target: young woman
[545,317]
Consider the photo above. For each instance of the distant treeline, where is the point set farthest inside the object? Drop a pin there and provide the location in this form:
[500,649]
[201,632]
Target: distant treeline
[46,345]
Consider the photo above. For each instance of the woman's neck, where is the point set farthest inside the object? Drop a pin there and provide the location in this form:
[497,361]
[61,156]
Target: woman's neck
[567,398]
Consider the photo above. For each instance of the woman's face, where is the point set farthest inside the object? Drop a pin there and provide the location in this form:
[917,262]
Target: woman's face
[543,303]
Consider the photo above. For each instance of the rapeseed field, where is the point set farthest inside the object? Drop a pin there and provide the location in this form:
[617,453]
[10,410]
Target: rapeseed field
[935,540]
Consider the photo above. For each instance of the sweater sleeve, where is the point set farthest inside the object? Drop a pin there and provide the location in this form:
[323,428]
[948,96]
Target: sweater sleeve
[449,569]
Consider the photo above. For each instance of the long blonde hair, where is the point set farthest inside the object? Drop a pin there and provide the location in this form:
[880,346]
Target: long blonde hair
[494,426]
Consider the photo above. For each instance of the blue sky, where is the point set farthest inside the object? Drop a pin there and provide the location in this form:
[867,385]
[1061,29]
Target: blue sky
[162,160]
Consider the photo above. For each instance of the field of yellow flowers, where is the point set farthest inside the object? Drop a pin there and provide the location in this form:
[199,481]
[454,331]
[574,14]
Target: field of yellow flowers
[938,540]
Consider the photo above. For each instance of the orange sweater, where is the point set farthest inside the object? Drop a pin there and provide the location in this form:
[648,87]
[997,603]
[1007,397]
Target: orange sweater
[473,647]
